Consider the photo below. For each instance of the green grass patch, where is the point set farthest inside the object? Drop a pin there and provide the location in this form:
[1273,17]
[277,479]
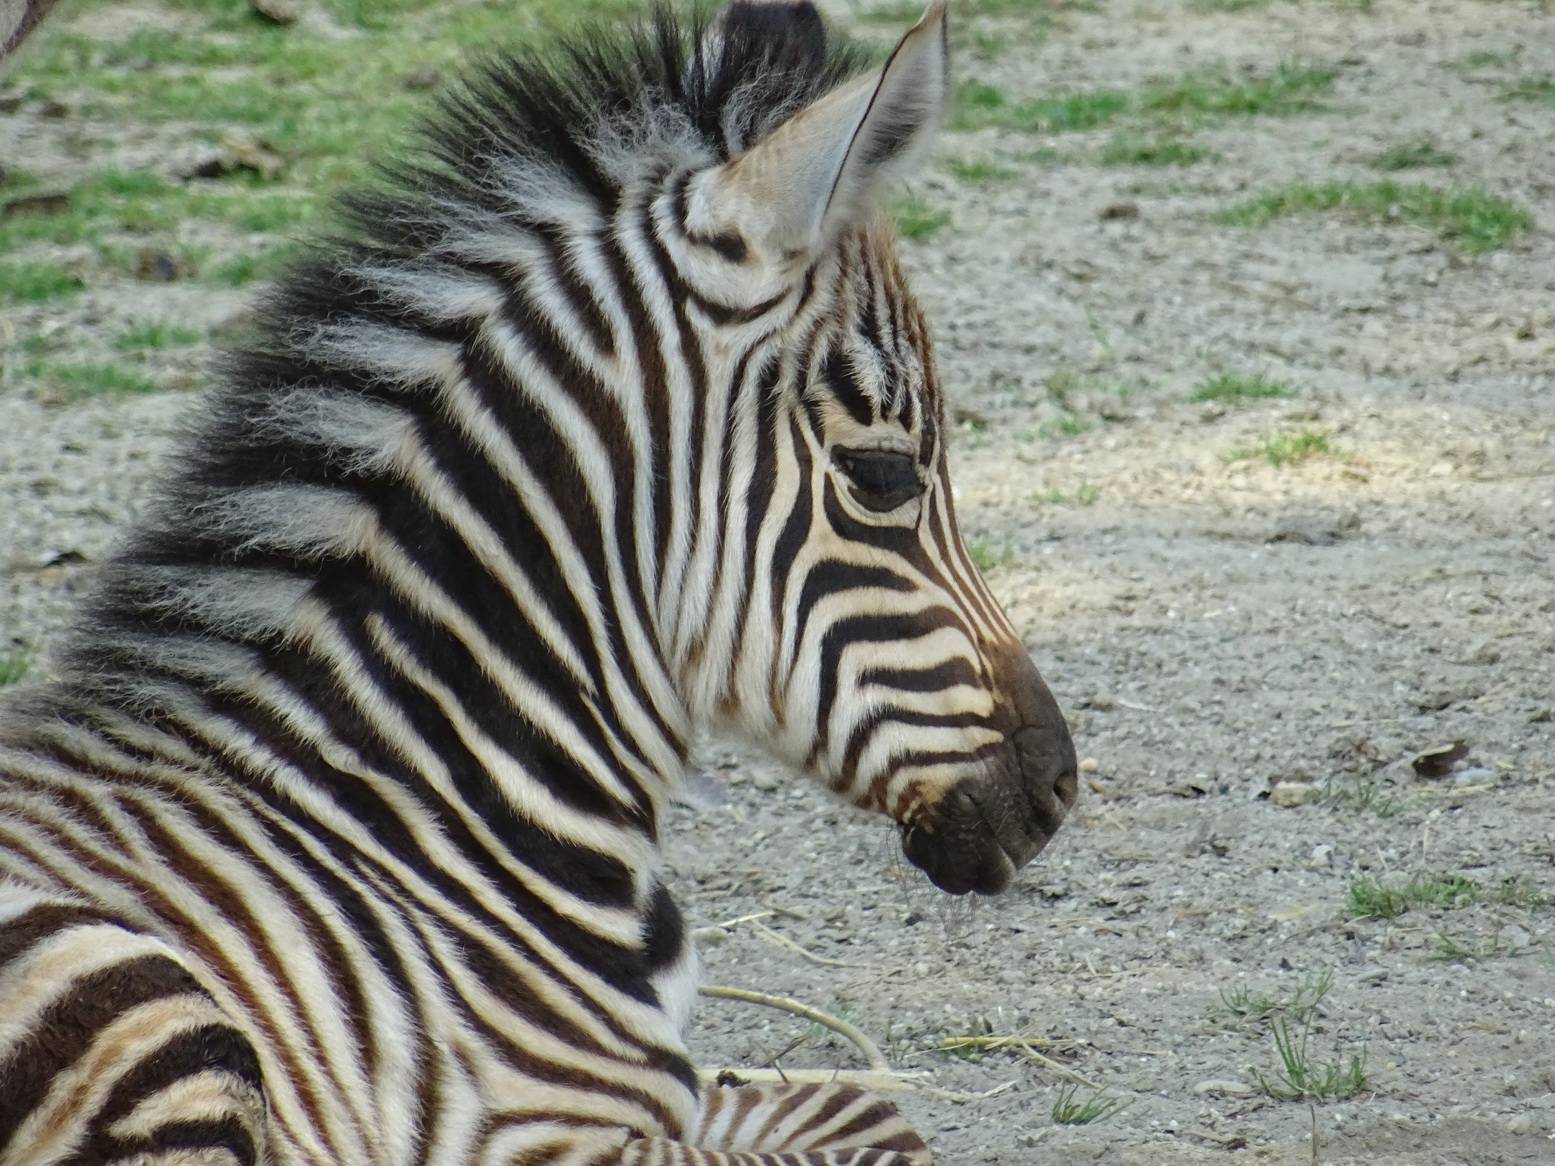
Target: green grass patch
[1471,218]
[1286,449]
[1539,90]
[979,105]
[1085,494]
[35,282]
[1416,154]
[153,336]
[72,383]
[917,219]
[907,12]
[113,204]
[1067,425]
[1373,898]
[241,270]
[1232,388]
[990,555]
[1489,58]
[1041,156]
[326,106]
[1133,150]
[979,170]
[1290,89]
[13,667]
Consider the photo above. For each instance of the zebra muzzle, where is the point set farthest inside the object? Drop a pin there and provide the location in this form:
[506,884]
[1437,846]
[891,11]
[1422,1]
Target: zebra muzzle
[990,824]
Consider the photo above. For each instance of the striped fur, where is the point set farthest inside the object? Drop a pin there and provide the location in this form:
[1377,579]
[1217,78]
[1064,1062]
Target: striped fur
[335,837]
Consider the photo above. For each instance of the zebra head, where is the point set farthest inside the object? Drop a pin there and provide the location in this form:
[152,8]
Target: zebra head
[847,630]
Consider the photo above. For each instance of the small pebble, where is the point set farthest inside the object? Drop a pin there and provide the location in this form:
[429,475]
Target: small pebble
[1520,1124]
[1089,765]
[1293,793]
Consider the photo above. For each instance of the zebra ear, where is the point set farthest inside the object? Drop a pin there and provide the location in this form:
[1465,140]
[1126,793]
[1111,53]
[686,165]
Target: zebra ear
[823,169]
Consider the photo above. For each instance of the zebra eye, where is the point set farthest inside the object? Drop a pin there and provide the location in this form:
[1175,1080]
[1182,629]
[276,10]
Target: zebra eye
[882,479]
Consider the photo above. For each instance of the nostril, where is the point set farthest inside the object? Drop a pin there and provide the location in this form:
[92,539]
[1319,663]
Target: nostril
[1048,769]
[1045,753]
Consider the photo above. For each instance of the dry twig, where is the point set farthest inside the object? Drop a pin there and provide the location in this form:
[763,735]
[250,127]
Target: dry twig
[860,1040]
[1024,1045]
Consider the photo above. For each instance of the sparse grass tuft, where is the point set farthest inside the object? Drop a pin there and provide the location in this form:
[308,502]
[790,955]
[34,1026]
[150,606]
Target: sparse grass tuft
[1519,892]
[1446,949]
[1131,150]
[1229,387]
[1291,89]
[245,269]
[989,555]
[980,170]
[917,220]
[13,668]
[1084,494]
[155,335]
[905,12]
[1242,1003]
[34,282]
[1539,90]
[1371,898]
[1415,154]
[1070,1110]
[1472,218]
[1067,425]
[1228,5]
[1489,58]
[1301,1077]
[1360,795]
[980,106]
[1286,449]
[82,382]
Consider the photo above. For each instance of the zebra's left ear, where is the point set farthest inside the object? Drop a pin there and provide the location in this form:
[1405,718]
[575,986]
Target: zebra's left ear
[822,170]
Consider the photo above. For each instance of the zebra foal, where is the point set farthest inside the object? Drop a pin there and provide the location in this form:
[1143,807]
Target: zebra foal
[333,839]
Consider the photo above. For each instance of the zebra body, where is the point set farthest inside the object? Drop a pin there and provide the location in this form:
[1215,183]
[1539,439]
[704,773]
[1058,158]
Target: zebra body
[334,840]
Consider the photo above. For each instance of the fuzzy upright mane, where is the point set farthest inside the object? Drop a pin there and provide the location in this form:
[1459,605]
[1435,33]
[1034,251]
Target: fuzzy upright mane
[606,104]
[278,465]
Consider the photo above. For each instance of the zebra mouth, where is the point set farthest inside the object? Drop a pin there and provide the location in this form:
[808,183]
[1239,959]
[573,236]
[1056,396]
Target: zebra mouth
[959,866]
[987,827]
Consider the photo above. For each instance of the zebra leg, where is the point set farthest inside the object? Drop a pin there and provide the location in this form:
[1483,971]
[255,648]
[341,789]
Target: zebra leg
[789,1125]
[111,1052]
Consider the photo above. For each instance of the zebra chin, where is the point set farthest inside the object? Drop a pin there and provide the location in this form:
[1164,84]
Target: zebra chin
[987,825]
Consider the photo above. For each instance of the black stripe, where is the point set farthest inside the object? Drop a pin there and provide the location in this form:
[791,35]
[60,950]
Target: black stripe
[210,1046]
[860,629]
[67,1029]
[730,244]
[42,922]
[864,731]
[841,380]
[228,1134]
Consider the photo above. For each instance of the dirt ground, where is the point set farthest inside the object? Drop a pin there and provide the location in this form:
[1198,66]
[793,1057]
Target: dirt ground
[1213,626]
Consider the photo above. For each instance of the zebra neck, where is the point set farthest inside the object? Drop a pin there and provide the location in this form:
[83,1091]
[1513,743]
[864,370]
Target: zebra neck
[418,676]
